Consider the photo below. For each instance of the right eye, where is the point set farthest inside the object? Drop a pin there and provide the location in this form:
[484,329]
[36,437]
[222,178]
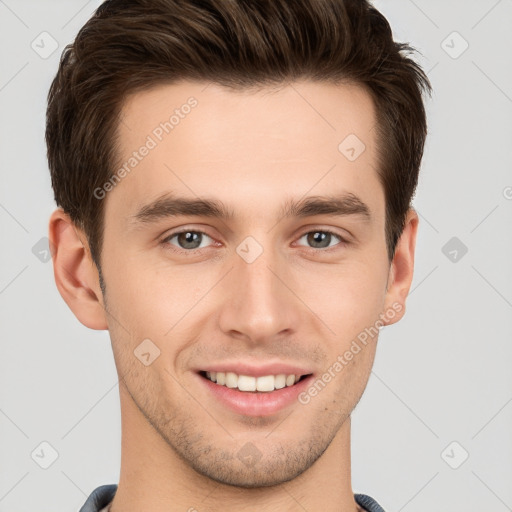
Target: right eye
[187,239]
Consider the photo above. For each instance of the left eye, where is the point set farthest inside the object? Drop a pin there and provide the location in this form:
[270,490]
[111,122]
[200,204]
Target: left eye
[188,239]
[320,239]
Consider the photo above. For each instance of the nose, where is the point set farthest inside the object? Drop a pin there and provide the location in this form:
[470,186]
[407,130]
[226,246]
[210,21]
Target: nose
[259,302]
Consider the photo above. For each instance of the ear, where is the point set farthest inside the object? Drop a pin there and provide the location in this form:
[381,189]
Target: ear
[76,275]
[401,270]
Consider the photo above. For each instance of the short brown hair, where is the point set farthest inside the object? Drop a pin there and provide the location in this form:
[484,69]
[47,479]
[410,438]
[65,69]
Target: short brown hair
[132,45]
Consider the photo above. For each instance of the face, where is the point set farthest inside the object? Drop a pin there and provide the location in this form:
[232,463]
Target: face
[252,281]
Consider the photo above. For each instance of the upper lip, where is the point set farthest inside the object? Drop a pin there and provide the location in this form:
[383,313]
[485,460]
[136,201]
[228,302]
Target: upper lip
[256,370]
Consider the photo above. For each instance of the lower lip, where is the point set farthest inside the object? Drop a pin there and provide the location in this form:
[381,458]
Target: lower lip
[262,403]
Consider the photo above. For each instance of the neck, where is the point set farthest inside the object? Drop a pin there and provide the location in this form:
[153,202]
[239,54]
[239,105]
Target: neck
[154,477]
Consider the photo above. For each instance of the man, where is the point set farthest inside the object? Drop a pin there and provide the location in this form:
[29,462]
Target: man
[234,181]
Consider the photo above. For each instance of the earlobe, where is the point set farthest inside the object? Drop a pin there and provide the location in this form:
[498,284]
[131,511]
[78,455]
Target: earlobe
[401,270]
[76,275]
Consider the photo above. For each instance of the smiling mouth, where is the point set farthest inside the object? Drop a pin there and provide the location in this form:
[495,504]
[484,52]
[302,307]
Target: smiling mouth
[250,384]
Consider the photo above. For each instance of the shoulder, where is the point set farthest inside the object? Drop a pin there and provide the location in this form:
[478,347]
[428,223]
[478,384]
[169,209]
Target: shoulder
[99,498]
[368,503]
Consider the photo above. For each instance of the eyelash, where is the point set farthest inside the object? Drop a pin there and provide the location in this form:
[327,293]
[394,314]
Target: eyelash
[342,241]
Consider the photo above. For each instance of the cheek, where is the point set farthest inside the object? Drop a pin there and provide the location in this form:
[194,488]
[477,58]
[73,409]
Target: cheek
[347,298]
[155,300]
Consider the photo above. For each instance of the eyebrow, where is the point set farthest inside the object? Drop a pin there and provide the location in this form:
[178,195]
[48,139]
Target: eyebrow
[166,206]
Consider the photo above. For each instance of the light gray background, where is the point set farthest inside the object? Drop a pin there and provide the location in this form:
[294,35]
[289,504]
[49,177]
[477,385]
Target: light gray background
[441,375]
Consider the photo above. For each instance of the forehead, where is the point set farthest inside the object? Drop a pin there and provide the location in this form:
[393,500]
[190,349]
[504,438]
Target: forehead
[299,108]
[203,139]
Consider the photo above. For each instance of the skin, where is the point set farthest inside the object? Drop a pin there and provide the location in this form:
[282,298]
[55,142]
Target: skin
[294,303]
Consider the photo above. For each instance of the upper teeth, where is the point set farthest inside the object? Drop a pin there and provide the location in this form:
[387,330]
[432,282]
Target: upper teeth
[248,383]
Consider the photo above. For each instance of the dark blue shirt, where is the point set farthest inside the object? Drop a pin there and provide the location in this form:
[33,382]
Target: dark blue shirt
[103,495]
